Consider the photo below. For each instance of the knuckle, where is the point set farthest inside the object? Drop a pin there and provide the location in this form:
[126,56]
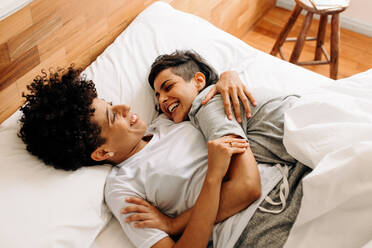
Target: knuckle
[224,88]
[244,100]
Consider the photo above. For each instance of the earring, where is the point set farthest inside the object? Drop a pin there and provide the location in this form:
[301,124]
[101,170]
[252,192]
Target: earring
[111,154]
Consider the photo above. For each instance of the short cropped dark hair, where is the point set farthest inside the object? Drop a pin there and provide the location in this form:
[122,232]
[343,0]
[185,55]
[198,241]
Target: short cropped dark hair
[56,124]
[184,64]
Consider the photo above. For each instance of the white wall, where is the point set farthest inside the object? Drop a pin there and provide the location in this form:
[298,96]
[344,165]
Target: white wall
[357,17]
[360,10]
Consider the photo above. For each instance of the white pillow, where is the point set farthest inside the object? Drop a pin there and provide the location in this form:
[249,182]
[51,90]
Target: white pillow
[45,207]
[120,73]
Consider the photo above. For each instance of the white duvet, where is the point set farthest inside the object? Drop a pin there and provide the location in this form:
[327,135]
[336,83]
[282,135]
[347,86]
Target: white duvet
[330,129]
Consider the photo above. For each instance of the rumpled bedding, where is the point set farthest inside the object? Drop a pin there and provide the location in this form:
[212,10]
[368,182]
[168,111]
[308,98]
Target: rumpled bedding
[330,130]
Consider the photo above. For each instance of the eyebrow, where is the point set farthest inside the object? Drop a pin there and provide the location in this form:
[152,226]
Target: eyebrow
[163,84]
[162,87]
[107,117]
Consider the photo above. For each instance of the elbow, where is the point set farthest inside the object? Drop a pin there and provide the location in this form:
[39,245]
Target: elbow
[256,193]
[253,191]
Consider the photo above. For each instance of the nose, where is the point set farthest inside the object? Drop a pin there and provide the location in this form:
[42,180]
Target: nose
[123,109]
[162,98]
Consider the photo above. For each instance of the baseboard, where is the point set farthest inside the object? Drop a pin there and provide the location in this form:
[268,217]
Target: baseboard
[347,22]
[285,4]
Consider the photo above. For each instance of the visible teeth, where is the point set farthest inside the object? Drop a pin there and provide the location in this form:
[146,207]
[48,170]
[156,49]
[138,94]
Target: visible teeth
[172,107]
[133,119]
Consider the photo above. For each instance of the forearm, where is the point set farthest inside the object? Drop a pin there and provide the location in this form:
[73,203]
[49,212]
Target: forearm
[242,188]
[239,192]
[198,229]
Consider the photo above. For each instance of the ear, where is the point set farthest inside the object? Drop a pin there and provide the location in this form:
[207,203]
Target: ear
[101,154]
[199,79]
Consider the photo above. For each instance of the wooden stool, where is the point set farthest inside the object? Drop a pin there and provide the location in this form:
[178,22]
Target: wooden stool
[312,7]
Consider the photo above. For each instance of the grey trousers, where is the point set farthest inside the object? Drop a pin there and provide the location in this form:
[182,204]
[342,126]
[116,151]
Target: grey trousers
[272,230]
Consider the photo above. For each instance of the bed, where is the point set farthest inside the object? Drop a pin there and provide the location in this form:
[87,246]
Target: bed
[42,207]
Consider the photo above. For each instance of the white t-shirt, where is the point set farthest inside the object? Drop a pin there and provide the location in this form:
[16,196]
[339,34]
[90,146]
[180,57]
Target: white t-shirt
[169,172]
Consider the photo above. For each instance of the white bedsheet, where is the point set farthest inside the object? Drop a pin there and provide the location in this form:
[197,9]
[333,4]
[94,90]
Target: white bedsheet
[330,130]
[120,74]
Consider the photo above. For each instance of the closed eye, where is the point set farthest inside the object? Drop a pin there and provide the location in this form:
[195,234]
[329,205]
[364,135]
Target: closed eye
[168,87]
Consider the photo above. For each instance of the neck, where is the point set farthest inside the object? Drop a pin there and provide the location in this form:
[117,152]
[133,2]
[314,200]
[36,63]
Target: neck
[140,145]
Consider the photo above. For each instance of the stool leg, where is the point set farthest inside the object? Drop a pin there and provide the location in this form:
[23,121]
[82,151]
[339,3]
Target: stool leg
[320,37]
[335,39]
[284,33]
[301,38]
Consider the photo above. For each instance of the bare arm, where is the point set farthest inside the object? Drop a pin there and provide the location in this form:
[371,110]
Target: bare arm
[242,188]
[201,222]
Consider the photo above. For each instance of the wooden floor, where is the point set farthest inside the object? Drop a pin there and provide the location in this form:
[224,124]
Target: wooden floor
[355,49]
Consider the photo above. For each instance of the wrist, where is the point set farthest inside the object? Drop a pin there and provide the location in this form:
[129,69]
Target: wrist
[176,226]
[213,179]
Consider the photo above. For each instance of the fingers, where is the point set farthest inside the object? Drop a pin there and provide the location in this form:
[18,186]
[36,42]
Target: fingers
[231,139]
[237,150]
[227,104]
[141,221]
[135,208]
[138,201]
[239,144]
[145,224]
[250,97]
[212,92]
[137,217]
[236,104]
[236,145]
[245,102]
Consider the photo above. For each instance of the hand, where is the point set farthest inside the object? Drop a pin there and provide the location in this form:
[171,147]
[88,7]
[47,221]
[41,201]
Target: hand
[230,86]
[219,154]
[147,216]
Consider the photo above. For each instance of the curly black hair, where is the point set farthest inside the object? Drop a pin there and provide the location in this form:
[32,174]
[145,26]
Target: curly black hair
[56,124]
[184,64]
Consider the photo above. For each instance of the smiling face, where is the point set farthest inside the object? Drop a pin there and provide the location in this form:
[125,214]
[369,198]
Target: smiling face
[122,130]
[175,95]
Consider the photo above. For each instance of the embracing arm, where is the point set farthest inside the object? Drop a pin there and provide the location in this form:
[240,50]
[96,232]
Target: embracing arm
[242,188]
[230,86]
[201,222]
[199,228]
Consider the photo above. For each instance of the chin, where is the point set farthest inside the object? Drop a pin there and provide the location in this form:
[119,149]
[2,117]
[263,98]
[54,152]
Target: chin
[177,119]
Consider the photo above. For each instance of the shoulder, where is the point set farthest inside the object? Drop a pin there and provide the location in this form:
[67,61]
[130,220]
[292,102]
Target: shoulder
[124,181]
[197,103]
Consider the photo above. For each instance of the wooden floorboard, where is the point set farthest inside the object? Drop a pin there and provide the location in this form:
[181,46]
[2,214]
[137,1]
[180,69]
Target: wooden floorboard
[355,53]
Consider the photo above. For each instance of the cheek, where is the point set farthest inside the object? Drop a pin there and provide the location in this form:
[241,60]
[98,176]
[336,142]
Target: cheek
[163,109]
